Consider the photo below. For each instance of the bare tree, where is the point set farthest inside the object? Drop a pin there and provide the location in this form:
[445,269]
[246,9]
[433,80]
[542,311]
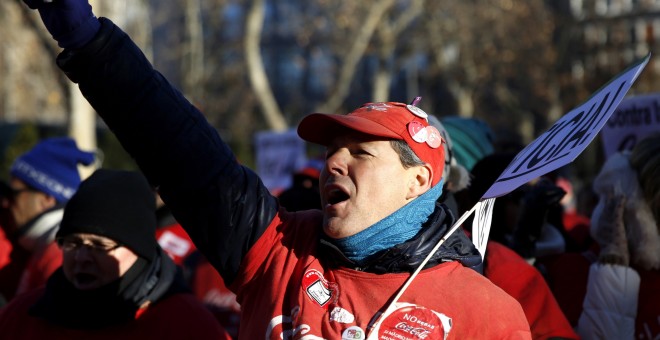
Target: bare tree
[257,74]
[482,52]
[496,66]
[30,85]
[389,34]
[194,49]
[376,10]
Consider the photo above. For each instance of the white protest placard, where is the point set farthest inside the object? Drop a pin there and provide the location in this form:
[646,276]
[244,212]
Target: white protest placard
[278,155]
[481,223]
[568,137]
[635,118]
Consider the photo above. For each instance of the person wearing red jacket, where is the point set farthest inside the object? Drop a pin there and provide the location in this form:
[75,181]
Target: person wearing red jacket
[299,275]
[41,182]
[11,262]
[115,282]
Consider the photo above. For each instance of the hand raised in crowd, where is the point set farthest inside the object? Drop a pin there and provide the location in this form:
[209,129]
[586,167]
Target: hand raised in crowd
[71,22]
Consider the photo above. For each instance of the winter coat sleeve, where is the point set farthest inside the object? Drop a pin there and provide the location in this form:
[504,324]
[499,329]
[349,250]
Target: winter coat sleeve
[223,206]
[610,305]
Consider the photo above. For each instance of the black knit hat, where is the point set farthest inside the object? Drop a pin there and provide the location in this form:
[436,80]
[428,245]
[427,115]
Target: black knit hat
[116,204]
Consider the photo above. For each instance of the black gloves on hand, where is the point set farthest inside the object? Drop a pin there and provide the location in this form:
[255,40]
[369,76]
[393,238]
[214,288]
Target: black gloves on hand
[534,207]
[71,22]
[611,232]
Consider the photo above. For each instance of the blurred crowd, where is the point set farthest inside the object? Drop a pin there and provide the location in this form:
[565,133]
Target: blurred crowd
[195,246]
[578,262]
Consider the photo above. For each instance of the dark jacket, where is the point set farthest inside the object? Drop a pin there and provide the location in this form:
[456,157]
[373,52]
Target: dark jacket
[150,300]
[223,205]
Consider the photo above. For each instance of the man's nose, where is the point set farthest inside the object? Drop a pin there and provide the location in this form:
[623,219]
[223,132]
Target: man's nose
[83,252]
[336,164]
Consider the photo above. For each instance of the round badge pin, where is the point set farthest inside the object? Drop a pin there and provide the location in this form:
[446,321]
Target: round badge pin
[414,322]
[418,112]
[434,139]
[353,333]
[417,131]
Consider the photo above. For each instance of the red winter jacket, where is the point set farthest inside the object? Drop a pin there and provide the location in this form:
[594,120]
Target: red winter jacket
[5,249]
[514,275]
[42,264]
[179,316]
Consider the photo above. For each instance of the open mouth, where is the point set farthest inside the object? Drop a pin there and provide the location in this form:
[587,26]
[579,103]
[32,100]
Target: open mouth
[83,278]
[337,196]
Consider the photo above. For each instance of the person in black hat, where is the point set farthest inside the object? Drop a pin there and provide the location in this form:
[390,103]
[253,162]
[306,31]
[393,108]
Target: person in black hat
[115,281]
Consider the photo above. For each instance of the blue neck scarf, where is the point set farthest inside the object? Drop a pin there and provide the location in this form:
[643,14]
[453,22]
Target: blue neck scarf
[400,226]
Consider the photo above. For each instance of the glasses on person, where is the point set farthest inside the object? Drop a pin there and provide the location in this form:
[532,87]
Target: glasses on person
[75,243]
[15,192]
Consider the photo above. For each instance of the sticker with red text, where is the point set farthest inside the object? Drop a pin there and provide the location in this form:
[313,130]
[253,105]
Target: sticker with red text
[411,322]
[418,131]
[434,139]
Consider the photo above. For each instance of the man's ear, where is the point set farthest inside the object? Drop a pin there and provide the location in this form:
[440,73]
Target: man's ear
[420,181]
[47,201]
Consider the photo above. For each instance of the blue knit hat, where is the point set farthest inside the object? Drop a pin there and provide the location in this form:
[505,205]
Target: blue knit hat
[51,167]
[472,139]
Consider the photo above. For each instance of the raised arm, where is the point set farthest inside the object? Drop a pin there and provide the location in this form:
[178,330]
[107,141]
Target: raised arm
[222,205]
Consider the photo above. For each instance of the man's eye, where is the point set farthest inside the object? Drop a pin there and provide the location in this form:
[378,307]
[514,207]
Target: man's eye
[101,245]
[361,152]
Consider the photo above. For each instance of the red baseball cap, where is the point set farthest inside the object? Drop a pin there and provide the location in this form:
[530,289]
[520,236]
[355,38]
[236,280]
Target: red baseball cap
[389,120]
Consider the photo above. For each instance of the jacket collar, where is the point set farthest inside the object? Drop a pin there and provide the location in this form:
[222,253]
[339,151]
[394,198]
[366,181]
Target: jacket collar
[41,230]
[407,256]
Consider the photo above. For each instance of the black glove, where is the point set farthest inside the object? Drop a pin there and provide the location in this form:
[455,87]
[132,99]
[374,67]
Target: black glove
[71,22]
[534,207]
[610,232]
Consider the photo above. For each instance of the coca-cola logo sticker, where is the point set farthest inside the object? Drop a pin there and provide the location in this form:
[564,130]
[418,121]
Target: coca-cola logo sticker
[412,322]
